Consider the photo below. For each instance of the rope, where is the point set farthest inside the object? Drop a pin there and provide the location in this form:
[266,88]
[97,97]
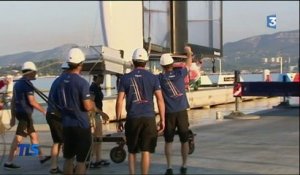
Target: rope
[149,29]
[96,61]
[55,106]
[94,29]
[90,153]
[44,97]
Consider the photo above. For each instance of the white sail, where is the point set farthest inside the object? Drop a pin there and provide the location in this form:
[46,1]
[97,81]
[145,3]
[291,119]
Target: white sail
[122,25]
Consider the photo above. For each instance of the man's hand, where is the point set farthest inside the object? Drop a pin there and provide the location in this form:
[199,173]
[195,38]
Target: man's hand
[188,50]
[160,128]
[120,126]
[105,117]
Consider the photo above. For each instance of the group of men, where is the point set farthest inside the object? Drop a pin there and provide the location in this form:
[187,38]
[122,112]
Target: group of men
[72,102]
[138,88]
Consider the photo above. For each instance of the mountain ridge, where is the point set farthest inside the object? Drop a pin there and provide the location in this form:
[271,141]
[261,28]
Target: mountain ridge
[246,53]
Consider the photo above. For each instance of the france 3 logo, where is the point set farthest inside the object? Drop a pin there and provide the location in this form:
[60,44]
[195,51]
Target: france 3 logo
[271,21]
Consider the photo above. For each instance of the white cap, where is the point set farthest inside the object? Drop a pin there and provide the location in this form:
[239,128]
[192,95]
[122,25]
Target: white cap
[28,65]
[166,59]
[140,55]
[76,56]
[64,65]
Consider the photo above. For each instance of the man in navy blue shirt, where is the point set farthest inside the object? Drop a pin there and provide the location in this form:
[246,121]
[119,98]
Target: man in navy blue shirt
[97,118]
[141,133]
[22,105]
[73,96]
[173,90]
[54,121]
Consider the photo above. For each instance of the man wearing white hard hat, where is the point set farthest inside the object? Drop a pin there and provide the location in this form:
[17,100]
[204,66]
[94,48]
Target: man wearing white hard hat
[173,90]
[73,96]
[22,105]
[54,121]
[138,87]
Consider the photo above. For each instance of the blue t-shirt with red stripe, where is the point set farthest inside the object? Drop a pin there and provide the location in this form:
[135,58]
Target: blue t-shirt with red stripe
[70,91]
[139,86]
[173,90]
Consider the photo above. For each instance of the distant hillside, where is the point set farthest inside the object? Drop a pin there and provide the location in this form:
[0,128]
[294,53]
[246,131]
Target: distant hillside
[249,52]
[18,59]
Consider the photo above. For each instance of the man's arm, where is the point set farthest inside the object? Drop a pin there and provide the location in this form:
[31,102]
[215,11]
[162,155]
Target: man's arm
[96,109]
[88,105]
[161,109]
[119,105]
[13,112]
[189,55]
[35,104]
[103,114]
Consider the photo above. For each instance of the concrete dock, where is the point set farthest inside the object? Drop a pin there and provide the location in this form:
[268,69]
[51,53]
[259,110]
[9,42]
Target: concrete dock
[269,145]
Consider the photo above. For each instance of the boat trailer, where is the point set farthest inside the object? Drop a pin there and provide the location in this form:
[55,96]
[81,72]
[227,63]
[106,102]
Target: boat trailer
[118,153]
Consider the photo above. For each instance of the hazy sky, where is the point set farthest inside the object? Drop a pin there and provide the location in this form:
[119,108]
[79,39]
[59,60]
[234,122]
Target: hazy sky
[42,25]
[248,18]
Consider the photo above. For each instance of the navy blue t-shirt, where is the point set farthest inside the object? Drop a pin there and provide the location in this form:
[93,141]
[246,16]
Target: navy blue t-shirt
[70,93]
[139,87]
[51,96]
[173,90]
[21,91]
[96,91]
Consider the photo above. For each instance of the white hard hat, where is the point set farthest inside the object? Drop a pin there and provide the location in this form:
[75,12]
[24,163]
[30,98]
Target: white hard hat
[64,65]
[75,56]
[166,59]
[28,65]
[140,55]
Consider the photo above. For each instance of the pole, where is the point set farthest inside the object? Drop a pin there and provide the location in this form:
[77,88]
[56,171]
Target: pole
[108,84]
[280,65]
[220,64]
[236,80]
[284,79]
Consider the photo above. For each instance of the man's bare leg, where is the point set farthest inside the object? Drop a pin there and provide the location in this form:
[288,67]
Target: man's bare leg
[131,163]
[145,162]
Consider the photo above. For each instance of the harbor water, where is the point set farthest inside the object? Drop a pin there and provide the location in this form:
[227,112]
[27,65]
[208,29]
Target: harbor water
[44,84]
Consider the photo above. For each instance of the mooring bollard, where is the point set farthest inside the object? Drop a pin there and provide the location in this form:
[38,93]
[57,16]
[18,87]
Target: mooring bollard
[219,115]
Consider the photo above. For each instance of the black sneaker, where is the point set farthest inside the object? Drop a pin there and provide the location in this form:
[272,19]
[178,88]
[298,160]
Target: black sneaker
[169,171]
[94,165]
[183,170]
[102,163]
[45,159]
[56,171]
[11,166]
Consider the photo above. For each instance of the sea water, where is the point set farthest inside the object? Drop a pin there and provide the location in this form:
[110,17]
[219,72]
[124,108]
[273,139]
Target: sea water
[44,84]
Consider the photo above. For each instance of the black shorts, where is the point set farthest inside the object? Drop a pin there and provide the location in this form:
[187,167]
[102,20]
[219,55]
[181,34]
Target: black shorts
[141,134]
[177,120]
[25,125]
[77,142]
[55,126]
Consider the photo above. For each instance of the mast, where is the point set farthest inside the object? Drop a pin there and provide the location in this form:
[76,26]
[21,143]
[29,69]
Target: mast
[179,31]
